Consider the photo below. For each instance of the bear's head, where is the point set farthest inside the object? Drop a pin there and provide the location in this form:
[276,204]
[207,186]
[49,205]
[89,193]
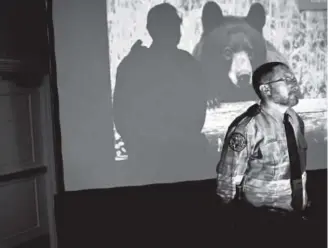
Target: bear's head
[230,49]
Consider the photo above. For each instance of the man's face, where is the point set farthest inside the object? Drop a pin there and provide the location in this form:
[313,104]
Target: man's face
[286,90]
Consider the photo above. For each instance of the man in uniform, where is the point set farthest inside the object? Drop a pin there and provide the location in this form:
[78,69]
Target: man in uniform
[263,164]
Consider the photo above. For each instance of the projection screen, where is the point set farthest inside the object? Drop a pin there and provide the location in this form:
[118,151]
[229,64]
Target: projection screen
[297,38]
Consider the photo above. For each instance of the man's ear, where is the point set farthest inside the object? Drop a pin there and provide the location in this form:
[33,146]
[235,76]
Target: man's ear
[265,89]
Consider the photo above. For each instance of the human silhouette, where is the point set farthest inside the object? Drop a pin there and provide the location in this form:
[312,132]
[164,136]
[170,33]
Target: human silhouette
[159,101]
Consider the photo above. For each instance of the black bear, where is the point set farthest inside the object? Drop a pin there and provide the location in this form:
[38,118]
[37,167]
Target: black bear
[229,50]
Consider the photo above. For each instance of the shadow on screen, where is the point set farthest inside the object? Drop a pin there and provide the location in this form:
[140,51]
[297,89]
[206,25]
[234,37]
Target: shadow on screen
[173,107]
[159,100]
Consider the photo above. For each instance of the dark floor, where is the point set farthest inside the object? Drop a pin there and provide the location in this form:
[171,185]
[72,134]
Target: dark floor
[164,215]
[40,242]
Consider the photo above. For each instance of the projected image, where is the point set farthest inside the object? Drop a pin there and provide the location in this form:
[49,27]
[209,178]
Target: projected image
[229,39]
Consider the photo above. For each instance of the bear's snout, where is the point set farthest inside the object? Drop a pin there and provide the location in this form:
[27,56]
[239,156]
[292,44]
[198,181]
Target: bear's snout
[241,69]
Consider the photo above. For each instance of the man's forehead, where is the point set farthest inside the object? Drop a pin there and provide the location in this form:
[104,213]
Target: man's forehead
[282,71]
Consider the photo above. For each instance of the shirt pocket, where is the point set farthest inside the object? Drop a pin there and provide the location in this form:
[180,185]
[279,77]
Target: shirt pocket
[267,156]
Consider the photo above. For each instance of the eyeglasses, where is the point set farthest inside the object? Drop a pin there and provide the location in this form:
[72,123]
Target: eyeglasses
[286,79]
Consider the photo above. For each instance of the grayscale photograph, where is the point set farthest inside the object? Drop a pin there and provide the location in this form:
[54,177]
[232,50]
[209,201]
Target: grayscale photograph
[163,123]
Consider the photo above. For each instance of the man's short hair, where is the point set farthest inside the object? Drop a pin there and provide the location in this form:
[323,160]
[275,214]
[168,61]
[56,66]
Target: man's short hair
[265,73]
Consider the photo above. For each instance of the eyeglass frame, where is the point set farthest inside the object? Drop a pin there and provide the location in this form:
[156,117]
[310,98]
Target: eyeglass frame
[286,79]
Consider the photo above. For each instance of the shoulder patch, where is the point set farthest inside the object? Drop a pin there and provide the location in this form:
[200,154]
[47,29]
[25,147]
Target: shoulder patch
[237,142]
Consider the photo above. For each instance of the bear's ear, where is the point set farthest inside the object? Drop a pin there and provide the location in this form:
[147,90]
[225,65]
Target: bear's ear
[212,17]
[256,16]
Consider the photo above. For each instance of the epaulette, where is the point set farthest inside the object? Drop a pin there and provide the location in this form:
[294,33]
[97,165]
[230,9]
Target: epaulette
[253,110]
[249,114]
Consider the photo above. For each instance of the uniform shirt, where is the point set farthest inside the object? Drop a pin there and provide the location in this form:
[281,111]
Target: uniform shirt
[256,151]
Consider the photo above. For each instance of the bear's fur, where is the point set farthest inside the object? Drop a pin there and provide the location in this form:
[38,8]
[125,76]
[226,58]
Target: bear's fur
[230,49]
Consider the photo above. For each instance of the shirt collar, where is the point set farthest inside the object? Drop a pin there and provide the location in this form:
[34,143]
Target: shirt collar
[274,113]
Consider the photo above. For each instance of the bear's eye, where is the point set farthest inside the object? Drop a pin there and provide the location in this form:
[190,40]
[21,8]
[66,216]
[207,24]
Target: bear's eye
[227,53]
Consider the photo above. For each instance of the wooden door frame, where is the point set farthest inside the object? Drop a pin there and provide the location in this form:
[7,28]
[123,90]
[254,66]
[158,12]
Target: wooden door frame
[51,134]
[48,152]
